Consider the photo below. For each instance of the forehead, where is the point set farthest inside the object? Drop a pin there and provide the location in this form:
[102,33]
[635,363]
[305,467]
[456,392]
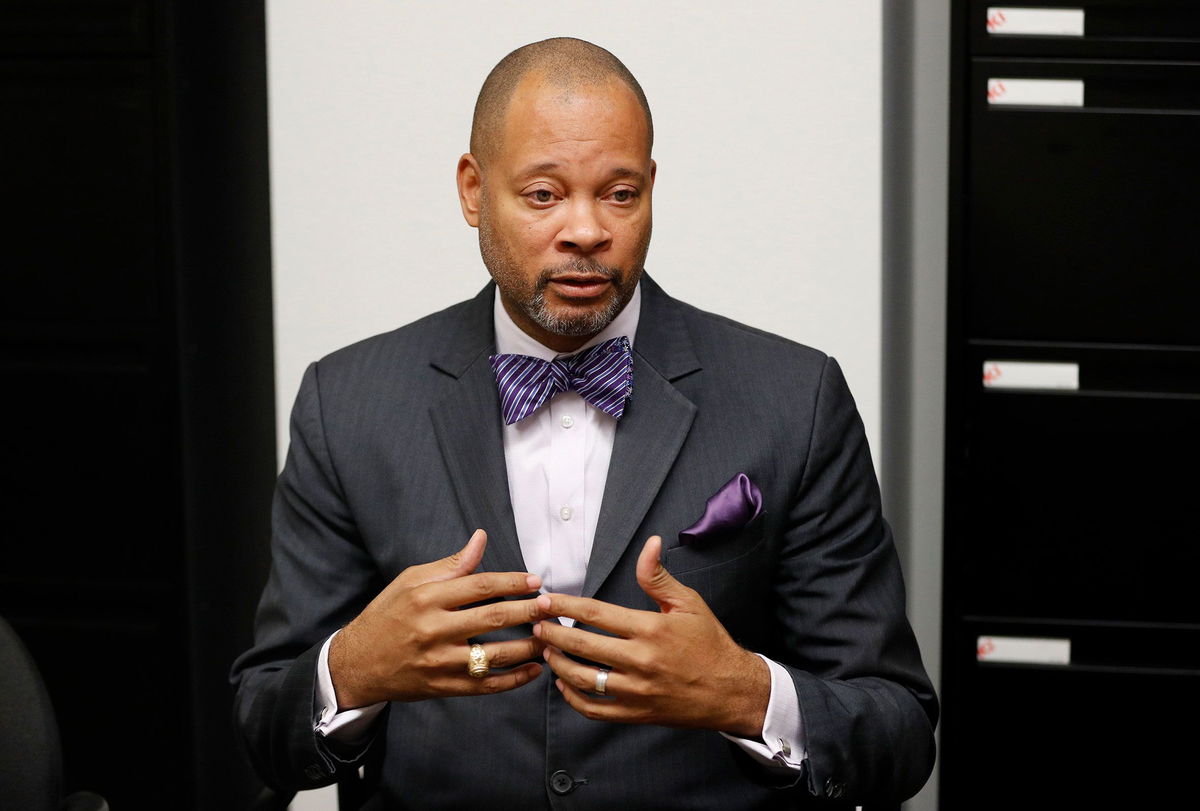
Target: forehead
[546,120]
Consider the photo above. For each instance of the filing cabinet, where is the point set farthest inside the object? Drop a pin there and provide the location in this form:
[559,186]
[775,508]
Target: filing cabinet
[1071,627]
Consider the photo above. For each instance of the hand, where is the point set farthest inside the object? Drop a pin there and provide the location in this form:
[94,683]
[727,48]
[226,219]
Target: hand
[410,643]
[678,668]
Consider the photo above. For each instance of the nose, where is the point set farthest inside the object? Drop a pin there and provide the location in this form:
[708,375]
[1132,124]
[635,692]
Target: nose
[583,231]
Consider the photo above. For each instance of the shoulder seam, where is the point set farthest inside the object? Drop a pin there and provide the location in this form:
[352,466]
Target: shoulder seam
[812,428]
[337,479]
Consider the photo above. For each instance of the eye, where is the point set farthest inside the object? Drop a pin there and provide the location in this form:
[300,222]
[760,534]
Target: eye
[540,198]
[623,195]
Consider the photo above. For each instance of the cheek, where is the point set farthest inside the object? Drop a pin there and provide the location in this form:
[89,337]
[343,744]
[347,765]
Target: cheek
[516,236]
[533,237]
[633,232]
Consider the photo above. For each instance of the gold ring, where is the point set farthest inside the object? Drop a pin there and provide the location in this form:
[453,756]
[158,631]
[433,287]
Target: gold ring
[477,662]
[601,682]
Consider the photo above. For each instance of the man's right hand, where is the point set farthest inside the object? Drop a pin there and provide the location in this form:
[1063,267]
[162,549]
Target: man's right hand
[410,643]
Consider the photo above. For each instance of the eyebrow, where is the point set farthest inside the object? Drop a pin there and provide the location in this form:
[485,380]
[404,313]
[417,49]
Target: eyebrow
[621,171]
[550,166]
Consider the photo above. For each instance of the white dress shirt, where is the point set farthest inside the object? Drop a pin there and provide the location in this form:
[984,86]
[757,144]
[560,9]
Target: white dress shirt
[557,462]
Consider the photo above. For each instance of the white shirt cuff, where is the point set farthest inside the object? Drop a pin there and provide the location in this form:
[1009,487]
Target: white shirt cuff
[350,727]
[783,743]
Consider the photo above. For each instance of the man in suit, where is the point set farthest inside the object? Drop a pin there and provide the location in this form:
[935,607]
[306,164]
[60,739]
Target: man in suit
[680,521]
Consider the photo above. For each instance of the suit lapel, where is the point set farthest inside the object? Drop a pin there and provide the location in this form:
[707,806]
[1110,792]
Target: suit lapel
[467,426]
[650,434]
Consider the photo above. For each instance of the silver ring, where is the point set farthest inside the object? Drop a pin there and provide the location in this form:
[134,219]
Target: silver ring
[601,682]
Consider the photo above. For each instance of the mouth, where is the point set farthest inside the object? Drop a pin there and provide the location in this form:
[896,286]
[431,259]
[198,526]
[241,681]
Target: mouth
[580,286]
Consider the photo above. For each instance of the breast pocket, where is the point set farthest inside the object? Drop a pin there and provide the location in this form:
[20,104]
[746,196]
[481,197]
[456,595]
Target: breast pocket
[715,551]
[733,575]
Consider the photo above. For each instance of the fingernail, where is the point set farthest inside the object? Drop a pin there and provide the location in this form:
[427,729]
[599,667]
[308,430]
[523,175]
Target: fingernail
[546,654]
[558,684]
[533,581]
[543,602]
[537,629]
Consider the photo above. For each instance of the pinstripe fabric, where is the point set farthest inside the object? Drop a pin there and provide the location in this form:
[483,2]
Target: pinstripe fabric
[602,375]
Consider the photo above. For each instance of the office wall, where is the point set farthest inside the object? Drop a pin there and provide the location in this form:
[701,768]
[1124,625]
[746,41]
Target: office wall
[768,142]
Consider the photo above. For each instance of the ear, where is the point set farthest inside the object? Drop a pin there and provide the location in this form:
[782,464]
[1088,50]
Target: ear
[653,172]
[470,187]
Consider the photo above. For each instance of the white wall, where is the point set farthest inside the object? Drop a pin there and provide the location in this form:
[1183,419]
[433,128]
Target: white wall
[768,140]
[767,203]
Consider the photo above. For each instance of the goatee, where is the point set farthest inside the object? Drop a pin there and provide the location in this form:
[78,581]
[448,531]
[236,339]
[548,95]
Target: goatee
[588,322]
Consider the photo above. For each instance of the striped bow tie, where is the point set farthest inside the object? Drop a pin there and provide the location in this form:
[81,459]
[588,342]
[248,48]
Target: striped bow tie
[602,375]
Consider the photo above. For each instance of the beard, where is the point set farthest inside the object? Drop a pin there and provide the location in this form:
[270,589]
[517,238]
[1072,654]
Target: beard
[530,295]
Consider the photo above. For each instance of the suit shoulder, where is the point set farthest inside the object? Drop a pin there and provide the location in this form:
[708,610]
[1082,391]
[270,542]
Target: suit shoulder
[733,336]
[406,347]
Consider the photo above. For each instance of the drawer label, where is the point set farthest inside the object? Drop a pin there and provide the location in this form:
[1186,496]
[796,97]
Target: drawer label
[1026,650]
[1020,374]
[1036,92]
[1041,22]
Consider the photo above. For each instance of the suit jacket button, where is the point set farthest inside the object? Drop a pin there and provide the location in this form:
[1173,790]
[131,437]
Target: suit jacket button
[834,788]
[561,782]
[313,772]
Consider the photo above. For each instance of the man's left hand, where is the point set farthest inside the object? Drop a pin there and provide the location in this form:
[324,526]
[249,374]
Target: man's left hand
[676,667]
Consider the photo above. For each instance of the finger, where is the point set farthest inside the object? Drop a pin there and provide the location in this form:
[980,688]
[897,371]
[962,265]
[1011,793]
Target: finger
[470,622]
[596,709]
[615,619]
[493,683]
[585,644]
[462,562]
[501,655]
[659,584]
[475,588]
[579,676]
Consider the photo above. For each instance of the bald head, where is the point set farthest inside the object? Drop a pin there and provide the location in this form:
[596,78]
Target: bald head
[570,64]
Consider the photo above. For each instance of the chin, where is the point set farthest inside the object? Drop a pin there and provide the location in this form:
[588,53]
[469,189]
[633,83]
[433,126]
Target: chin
[576,321]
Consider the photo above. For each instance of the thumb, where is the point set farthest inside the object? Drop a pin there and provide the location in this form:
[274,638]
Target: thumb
[460,564]
[656,581]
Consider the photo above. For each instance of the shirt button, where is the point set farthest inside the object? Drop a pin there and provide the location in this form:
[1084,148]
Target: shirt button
[568,421]
[565,513]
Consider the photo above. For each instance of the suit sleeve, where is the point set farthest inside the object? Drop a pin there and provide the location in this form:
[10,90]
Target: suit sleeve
[868,709]
[321,577]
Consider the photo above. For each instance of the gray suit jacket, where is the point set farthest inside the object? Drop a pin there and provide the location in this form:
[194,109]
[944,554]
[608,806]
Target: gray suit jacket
[396,457]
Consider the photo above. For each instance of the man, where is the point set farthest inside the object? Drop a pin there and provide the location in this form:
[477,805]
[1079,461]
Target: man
[679,520]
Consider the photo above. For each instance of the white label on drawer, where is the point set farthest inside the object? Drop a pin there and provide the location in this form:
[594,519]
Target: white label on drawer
[1044,22]
[1027,650]
[1020,374]
[1036,92]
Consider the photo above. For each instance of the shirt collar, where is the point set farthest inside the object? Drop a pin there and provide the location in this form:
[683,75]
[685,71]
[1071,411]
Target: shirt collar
[512,340]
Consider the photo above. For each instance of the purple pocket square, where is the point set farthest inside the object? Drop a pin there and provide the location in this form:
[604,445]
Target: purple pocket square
[732,507]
